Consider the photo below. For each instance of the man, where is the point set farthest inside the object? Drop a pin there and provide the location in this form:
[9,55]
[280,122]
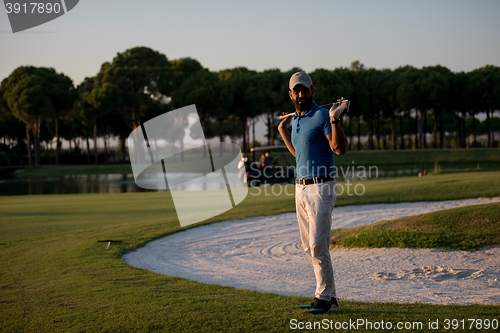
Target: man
[265,160]
[316,135]
[243,166]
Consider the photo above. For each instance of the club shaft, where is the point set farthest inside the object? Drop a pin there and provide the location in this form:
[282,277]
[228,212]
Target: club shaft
[293,113]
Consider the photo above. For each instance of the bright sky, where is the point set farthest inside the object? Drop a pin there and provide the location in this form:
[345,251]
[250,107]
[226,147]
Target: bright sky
[461,35]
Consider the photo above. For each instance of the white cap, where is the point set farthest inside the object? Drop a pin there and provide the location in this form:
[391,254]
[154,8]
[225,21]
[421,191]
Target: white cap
[300,78]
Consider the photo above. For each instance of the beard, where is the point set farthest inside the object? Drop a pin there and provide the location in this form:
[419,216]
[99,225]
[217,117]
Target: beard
[303,104]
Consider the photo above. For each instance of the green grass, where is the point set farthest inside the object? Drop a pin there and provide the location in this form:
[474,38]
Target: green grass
[458,159]
[464,228]
[54,275]
[448,158]
[430,188]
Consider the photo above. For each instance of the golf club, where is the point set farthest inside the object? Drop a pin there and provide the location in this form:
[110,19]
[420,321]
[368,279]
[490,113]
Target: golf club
[339,101]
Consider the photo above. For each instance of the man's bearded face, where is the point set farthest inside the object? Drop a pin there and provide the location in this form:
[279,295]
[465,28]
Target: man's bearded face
[302,97]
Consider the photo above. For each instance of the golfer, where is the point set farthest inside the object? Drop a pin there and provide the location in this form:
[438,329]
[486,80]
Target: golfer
[316,135]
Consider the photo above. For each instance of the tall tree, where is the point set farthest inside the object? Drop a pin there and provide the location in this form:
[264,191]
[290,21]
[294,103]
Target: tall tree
[182,69]
[475,97]
[240,80]
[11,129]
[488,78]
[434,95]
[360,100]
[383,100]
[343,87]
[457,101]
[128,85]
[34,94]
[211,96]
[222,109]
[63,95]
[373,114]
[87,113]
[274,100]
[409,96]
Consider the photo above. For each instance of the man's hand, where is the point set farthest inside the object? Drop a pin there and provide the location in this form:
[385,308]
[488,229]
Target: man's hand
[285,122]
[338,107]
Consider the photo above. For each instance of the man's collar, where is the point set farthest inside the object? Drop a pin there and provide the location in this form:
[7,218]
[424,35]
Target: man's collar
[311,108]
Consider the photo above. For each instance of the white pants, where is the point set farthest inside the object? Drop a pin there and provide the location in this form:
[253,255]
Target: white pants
[314,204]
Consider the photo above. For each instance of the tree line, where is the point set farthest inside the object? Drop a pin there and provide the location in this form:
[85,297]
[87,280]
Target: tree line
[395,109]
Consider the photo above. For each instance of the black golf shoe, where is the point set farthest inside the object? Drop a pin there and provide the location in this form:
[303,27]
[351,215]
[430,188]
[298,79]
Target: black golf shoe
[319,306]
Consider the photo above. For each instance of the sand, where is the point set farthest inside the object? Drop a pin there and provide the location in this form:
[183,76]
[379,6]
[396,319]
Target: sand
[264,254]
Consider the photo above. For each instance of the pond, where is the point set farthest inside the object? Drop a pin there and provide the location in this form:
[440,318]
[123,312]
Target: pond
[110,183]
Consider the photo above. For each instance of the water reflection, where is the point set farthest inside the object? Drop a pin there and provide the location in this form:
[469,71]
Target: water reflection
[124,183]
[110,183]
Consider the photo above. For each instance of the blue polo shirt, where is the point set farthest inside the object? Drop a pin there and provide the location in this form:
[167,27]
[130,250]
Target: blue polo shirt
[313,155]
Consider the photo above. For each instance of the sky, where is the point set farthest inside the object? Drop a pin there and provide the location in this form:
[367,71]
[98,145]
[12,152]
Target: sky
[259,35]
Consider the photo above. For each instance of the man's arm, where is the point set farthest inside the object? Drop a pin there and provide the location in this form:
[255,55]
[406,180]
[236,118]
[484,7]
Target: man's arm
[337,139]
[285,134]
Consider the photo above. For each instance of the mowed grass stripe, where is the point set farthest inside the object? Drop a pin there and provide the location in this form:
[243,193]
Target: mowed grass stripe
[54,275]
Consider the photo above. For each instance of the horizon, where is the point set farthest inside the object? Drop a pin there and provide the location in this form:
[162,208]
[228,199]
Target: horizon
[458,35]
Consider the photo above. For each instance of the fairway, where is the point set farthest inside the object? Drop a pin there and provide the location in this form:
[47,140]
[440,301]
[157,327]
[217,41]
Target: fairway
[56,277]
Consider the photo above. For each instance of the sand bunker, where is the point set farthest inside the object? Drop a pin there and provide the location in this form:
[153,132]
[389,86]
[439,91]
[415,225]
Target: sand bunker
[431,272]
[263,253]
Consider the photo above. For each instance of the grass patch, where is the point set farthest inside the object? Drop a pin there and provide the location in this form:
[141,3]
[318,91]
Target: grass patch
[425,158]
[440,187]
[450,159]
[56,277]
[463,228]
